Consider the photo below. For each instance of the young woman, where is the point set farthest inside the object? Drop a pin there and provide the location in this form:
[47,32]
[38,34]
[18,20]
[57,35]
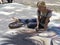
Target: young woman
[43,15]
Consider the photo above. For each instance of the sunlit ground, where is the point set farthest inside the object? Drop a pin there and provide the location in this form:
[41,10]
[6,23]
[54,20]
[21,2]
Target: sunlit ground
[7,11]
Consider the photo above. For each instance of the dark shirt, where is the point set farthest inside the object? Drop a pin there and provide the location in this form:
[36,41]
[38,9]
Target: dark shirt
[48,14]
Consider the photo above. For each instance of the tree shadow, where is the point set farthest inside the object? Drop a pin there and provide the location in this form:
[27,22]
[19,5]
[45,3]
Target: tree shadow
[55,29]
[18,39]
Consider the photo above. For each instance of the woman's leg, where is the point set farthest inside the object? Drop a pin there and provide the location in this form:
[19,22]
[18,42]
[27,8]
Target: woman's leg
[1,1]
[9,1]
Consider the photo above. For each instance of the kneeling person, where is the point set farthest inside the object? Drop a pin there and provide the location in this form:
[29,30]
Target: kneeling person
[43,15]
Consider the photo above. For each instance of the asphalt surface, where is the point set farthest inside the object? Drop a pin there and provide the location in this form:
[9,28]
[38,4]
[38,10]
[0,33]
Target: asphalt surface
[7,11]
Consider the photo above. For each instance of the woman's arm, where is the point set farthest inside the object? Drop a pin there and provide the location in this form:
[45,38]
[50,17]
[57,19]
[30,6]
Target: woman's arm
[47,19]
[46,23]
[38,17]
[38,21]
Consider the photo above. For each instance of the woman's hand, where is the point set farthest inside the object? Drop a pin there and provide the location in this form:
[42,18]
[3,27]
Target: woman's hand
[15,19]
[45,28]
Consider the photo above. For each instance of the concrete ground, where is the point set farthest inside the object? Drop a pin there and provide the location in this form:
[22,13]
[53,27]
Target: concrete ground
[7,11]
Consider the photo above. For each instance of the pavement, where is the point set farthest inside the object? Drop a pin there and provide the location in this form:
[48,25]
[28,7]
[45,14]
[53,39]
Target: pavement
[33,1]
[7,11]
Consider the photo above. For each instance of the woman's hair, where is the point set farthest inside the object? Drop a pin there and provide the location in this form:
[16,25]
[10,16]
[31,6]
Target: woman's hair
[41,3]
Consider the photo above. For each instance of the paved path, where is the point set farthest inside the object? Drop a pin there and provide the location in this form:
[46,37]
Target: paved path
[21,11]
